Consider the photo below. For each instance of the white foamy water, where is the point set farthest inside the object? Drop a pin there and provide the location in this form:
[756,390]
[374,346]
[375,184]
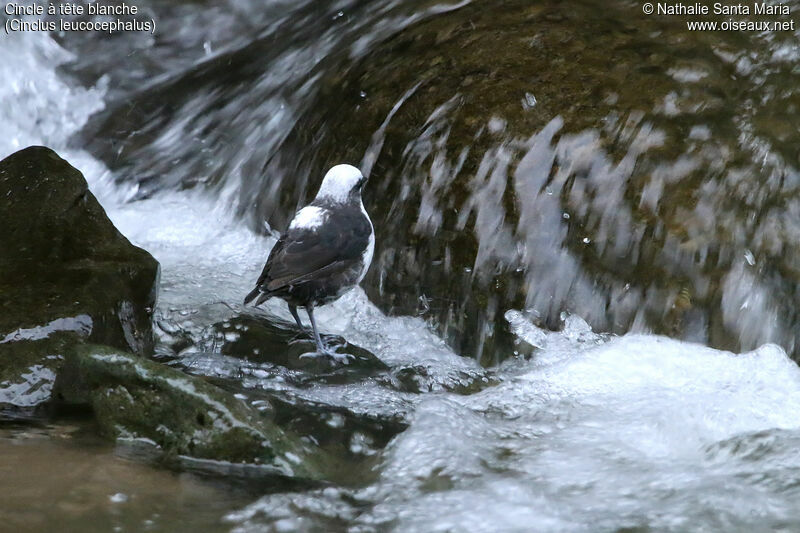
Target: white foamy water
[37,107]
[592,434]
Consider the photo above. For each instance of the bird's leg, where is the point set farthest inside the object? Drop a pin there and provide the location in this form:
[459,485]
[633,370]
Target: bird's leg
[321,348]
[303,330]
[293,310]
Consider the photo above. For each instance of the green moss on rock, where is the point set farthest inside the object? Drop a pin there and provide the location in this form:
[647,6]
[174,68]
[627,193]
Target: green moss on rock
[136,398]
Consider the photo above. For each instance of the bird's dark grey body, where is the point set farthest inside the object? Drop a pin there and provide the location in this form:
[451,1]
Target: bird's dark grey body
[316,265]
[325,252]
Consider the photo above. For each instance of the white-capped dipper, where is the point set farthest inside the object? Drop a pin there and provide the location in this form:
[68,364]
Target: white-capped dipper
[325,252]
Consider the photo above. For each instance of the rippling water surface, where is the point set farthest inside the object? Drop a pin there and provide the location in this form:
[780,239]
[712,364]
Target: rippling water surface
[546,180]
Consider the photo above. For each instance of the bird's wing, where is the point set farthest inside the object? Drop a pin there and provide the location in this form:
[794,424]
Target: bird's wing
[305,253]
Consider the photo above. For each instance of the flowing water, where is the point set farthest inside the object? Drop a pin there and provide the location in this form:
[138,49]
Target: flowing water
[551,185]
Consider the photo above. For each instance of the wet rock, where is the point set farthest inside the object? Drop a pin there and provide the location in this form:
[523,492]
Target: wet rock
[525,168]
[262,339]
[473,87]
[355,437]
[31,357]
[68,258]
[66,275]
[268,340]
[135,398]
[258,357]
[29,368]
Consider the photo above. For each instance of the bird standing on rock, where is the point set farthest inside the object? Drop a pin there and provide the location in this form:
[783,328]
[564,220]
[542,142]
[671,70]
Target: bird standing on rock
[325,252]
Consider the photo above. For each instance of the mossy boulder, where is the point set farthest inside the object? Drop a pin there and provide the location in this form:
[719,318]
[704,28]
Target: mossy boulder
[66,274]
[136,398]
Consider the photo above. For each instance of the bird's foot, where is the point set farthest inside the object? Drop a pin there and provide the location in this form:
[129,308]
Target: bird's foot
[342,358]
[325,351]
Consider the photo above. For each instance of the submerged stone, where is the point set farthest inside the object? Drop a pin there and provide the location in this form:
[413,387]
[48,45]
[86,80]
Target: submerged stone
[134,398]
[420,379]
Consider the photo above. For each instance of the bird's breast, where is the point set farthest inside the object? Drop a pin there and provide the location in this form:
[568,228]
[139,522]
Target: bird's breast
[366,258]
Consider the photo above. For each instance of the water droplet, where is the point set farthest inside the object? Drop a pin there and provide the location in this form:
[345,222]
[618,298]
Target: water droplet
[496,124]
[118,498]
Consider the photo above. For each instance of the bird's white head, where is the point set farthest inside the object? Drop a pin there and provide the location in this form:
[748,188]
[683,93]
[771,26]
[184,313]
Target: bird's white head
[341,183]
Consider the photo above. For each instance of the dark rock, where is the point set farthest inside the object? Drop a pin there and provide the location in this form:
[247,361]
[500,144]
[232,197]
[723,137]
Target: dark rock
[333,424]
[29,368]
[135,398]
[268,340]
[66,275]
[261,338]
[356,438]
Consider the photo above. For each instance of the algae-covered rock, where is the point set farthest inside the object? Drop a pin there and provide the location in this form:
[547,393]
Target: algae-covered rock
[136,398]
[62,256]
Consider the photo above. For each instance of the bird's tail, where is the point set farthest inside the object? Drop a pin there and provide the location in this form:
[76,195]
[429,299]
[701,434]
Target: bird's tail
[252,294]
